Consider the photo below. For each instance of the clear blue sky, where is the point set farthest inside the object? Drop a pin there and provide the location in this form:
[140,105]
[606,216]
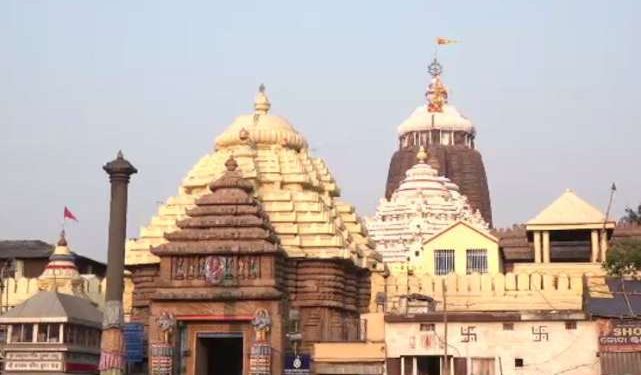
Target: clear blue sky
[552,87]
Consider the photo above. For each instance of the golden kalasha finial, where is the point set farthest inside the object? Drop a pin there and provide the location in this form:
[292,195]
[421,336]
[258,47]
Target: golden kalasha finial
[62,241]
[436,92]
[261,104]
[421,155]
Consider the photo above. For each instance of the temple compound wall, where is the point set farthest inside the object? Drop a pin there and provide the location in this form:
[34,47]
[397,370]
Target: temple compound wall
[498,292]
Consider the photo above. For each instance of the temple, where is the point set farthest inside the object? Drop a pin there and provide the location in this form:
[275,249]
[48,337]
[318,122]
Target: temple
[255,255]
[58,329]
[449,138]
[423,205]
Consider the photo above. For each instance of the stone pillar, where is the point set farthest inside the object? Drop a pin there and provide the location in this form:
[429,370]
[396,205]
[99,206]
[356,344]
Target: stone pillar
[537,246]
[546,246]
[414,366]
[594,241]
[112,345]
[604,244]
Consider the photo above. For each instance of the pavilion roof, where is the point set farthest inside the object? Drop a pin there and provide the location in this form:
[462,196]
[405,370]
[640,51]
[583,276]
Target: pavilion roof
[54,307]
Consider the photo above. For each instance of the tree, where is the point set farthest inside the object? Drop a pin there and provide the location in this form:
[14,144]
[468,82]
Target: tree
[632,216]
[624,258]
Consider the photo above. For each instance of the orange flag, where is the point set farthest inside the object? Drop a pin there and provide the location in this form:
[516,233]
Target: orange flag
[444,41]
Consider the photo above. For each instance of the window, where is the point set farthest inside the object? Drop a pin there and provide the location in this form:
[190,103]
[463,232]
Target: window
[570,324]
[427,326]
[443,261]
[476,261]
[3,334]
[518,362]
[73,334]
[508,326]
[49,332]
[483,366]
[22,333]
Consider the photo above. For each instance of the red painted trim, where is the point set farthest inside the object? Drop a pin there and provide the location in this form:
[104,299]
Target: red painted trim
[215,317]
[80,367]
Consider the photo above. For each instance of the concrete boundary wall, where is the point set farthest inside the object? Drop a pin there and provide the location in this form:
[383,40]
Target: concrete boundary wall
[510,291]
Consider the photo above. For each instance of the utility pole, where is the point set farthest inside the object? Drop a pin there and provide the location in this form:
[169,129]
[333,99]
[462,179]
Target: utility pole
[446,363]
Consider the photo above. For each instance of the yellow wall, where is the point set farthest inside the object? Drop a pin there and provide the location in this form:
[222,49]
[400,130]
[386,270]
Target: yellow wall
[18,290]
[459,237]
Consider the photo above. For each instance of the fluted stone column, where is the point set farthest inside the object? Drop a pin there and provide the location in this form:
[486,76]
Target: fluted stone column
[112,345]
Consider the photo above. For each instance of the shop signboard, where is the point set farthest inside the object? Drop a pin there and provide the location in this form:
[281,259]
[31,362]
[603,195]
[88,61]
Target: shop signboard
[619,335]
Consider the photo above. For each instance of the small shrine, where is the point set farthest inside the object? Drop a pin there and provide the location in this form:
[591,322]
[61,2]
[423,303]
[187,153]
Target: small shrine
[58,329]
[423,204]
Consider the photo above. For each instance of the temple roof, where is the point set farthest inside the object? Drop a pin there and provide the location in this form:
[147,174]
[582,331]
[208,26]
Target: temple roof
[61,273]
[437,113]
[423,205]
[47,306]
[461,223]
[448,119]
[228,220]
[296,190]
[569,210]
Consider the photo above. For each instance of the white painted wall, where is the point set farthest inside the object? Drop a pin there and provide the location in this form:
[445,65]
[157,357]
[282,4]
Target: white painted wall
[567,352]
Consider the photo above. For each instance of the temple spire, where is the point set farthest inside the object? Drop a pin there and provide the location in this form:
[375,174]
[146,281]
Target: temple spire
[61,274]
[261,103]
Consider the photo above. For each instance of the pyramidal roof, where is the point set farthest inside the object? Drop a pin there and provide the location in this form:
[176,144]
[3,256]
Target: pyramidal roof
[61,273]
[47,306]
[423,205]
[569,209]
[296,190]
[227,220]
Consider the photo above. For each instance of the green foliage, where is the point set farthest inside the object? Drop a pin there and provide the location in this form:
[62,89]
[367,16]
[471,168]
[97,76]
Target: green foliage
[632,216]
[624,258]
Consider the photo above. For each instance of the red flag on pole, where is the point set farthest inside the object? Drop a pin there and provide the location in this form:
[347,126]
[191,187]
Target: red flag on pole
[69,215]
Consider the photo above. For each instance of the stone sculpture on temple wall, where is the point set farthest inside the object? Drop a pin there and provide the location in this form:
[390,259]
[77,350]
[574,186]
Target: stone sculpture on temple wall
[162,351]
[261,351]
[215,269]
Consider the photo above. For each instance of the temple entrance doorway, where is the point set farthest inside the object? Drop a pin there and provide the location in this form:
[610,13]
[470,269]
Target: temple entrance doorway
[219,354]
[428,365]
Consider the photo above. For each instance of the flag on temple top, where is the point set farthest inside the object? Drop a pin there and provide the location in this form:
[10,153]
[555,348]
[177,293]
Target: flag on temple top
[69,215]
[444,41]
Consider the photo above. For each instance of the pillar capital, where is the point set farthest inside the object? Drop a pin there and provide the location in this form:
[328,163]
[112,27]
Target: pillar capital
[119,169]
